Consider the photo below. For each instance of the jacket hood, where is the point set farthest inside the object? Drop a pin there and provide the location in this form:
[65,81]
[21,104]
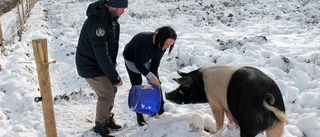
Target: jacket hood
[98,9]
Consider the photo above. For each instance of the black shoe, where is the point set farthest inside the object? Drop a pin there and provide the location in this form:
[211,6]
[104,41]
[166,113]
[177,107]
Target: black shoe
[112,123]
[102,130]
[140,119]
[161,110]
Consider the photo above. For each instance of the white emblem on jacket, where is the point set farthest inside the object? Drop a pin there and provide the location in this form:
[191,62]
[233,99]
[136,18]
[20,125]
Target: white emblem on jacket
[100,32]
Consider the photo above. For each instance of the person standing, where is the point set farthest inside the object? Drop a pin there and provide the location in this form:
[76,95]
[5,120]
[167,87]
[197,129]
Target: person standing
[142,56]
[96,56]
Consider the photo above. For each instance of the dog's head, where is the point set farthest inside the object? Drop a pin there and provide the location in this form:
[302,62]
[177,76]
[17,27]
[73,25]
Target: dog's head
[190,90]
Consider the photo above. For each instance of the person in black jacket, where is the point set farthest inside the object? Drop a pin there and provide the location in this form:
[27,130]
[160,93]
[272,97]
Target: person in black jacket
[96,56]
[143,55]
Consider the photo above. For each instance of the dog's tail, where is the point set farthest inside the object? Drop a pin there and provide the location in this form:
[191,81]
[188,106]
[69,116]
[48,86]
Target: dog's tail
[279,114]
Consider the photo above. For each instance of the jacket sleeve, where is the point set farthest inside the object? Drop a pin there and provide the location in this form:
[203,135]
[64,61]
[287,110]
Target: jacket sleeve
[139,56]
[99,36]
[155,63]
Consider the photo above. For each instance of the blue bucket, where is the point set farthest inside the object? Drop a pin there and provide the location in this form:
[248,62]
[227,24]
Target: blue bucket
[145,99]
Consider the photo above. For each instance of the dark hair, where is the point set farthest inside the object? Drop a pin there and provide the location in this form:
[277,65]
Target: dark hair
[162,34]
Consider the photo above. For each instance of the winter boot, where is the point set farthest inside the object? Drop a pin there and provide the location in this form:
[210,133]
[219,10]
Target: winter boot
[140,119]
[112,123]
[102,130]
[161,110]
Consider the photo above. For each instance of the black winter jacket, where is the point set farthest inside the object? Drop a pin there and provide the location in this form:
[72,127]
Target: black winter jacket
[141,49]
[98,44]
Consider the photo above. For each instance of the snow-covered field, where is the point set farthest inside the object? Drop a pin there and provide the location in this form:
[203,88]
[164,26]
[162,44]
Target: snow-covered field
[280,37]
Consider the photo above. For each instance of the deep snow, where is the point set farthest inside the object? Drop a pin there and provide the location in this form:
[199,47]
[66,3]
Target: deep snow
[281,38]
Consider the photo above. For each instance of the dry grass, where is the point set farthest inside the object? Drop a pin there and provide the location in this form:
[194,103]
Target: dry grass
[7,5]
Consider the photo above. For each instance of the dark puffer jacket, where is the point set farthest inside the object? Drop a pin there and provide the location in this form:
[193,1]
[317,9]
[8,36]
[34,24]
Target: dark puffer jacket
[98,44]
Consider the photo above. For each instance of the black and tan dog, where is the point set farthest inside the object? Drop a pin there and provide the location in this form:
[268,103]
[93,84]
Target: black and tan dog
[249,97]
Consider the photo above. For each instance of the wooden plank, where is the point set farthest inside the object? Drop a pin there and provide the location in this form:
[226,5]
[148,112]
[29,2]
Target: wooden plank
[40,50]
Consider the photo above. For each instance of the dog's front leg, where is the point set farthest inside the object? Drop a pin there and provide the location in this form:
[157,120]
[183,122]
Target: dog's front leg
[218,116]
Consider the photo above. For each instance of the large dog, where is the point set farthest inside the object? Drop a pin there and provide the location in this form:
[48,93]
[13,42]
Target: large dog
[248,97]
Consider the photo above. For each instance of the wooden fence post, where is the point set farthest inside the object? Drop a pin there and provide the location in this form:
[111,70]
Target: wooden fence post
[40,50]
[27,6]
[21,21]
[1,35]
[23,12]
[3,50]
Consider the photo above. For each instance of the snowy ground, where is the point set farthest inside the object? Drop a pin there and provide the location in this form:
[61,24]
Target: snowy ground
[282,38]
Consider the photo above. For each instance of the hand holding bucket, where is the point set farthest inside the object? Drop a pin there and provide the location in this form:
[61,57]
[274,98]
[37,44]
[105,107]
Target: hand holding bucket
[145,99]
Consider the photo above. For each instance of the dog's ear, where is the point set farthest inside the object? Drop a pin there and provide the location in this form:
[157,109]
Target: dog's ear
[176,79]
[184,81]
[182,73]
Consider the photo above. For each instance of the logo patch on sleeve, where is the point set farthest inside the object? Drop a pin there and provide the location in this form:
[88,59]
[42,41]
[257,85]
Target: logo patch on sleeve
[100,32]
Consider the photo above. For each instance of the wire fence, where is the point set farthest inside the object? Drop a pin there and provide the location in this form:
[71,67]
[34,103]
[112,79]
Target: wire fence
[23,11]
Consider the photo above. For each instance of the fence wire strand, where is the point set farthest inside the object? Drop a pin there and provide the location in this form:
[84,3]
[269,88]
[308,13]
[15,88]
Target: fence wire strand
[25,6]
